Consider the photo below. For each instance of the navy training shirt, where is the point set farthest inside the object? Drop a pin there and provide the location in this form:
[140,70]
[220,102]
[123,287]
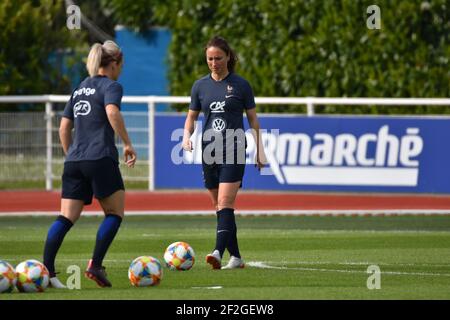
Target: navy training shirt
[222,102]
[94,137]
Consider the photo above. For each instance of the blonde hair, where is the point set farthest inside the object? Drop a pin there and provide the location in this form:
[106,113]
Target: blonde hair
[102,55]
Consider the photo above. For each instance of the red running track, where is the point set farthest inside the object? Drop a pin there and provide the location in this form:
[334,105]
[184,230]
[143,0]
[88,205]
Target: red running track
[11,201]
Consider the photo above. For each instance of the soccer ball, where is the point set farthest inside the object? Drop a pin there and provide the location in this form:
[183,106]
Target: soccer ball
[179,256]
[145,271]
[32,276]
[7,277]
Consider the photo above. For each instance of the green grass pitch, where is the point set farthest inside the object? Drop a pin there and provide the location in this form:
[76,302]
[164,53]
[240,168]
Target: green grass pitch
[288,257]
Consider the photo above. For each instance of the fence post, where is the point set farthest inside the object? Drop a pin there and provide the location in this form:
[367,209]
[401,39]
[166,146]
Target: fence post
[49,145]
[310,107]
[151,144]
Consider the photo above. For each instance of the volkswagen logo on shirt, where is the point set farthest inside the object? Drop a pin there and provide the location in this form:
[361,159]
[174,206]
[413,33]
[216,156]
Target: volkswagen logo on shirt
[81,108]
[218,124]
[217,106]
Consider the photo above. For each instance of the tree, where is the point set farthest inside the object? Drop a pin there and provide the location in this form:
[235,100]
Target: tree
[286,48]
[35,47]
[314,48]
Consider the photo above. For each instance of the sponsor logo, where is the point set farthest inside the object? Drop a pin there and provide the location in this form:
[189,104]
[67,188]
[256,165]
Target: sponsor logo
[83,91]
[229,93]
[372,159]
[218,125]
[81,108]
[217,106]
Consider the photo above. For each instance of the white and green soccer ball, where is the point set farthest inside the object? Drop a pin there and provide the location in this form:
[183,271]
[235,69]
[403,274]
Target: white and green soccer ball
[32,276]
[179,256]
[7,277]
[145,271]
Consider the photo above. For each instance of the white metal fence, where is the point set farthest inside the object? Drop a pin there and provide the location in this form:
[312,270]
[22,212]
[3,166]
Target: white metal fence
[30,149]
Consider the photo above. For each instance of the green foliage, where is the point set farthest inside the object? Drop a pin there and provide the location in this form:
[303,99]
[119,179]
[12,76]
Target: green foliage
[34,41]
[295,48]
[137,14]
[318,48]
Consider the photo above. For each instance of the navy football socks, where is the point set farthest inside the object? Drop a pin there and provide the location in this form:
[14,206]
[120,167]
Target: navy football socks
[55,237]
[233,247]
[105,235]
[226,228]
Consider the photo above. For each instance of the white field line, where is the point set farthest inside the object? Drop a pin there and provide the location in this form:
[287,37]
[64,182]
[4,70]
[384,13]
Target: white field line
[263,265]
[362,263]
[249,212]
[266,265]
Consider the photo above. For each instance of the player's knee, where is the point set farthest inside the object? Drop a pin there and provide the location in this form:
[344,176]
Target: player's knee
[72,217]
[225,202]
[119,213]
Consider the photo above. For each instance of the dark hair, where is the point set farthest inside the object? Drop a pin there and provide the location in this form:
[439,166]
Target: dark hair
[221,43]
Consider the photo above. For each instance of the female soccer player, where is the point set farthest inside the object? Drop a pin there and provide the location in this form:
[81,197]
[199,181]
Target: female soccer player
[91,167]
[223,96]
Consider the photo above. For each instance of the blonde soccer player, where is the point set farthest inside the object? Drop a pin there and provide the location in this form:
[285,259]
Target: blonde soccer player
[91,166]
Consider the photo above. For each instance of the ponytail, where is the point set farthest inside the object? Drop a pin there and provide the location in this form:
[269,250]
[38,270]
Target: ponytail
[94,59]
[102,56]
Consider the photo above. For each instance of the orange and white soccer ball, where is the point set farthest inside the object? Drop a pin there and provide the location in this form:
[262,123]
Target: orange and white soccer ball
[7,277]
[32,276]
[145,271]
[179,256]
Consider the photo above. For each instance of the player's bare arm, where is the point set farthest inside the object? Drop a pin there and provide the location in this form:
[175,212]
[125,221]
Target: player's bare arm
[189,127]
[65,133]
[116,120]
[256,132]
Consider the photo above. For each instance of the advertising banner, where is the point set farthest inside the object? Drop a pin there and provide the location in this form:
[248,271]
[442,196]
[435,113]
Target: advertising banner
[322,153]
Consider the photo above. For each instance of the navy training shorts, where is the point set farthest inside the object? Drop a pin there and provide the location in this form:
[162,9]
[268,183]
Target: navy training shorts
[83,179]
[213,174]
